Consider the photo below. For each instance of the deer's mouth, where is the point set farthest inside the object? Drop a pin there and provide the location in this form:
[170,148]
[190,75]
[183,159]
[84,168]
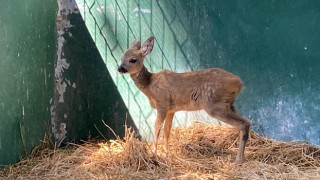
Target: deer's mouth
[122,69]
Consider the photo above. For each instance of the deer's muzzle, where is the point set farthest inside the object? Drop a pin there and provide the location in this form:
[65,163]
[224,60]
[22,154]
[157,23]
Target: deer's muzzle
[122,69]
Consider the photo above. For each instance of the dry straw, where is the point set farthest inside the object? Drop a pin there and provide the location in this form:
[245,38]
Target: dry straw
[202,151]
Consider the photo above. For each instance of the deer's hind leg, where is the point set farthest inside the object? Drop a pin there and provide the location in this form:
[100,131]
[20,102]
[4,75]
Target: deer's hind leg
[226,113]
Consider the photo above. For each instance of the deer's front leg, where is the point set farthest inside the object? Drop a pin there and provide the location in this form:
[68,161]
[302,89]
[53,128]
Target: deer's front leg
[167,129]
[161,115]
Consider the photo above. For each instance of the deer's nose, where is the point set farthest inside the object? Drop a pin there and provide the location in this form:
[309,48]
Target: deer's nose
[122,69]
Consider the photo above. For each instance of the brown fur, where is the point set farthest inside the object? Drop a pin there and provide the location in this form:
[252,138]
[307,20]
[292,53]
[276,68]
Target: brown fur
[213,90]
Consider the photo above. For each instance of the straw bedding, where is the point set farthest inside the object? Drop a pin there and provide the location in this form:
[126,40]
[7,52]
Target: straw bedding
[201,151]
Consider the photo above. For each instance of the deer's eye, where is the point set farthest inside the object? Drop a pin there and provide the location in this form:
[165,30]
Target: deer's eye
[133,60]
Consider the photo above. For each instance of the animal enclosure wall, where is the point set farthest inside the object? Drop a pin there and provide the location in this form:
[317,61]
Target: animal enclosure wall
[271,45]
[53,79]
[27,56]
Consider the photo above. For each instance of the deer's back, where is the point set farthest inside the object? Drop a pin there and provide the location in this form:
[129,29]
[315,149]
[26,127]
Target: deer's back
[189,90]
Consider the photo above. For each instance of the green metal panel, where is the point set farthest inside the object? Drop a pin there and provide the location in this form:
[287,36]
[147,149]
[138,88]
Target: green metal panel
[27,54]
[271,45]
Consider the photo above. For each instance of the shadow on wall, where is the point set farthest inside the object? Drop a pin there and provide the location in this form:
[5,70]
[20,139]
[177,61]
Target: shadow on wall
[85,94]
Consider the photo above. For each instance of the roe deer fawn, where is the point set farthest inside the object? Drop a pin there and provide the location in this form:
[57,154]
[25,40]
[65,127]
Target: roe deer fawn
[213,90]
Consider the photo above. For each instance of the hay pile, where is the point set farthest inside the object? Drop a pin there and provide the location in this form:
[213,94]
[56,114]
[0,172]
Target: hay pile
[201,151]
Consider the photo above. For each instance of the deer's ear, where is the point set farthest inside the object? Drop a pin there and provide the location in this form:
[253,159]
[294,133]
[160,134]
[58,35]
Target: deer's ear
[147,46]
[135,44]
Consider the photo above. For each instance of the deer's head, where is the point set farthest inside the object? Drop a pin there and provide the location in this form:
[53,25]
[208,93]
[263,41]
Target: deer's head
[132,60]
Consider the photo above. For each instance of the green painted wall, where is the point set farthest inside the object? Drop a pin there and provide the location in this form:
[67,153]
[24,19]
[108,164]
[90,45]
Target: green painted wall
[271,45]
[27,56]
[52,79]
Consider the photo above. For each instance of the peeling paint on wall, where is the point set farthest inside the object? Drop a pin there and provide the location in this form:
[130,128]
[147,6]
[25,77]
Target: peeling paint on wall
[84,91]
[65,8]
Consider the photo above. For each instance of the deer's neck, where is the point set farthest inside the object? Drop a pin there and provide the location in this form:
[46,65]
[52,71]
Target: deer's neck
[142,79]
